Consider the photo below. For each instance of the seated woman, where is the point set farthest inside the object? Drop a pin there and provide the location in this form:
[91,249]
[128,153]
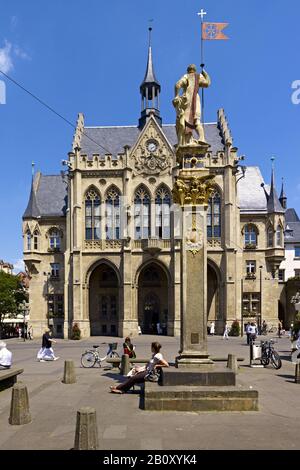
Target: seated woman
[157,360]
[128,347]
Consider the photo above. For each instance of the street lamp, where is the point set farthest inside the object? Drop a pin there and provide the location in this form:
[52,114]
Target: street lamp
[260,288]
[24,307]
[47,293]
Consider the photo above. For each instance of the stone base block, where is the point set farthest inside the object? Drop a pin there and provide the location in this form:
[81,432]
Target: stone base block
[182,398]
[197,377]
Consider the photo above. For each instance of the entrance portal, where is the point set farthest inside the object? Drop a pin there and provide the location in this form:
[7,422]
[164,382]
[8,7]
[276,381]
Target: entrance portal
[153,300]
[104,301]
[213,299]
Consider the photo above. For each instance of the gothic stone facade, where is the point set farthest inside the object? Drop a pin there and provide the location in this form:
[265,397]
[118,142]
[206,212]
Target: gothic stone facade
[102,245]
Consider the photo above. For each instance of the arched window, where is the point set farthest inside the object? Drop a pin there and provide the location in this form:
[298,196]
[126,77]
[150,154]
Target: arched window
[214,216]
[35,240]
[270,237]
[28,240]
[92,215]
[141,214]
[250,235]
[112,228]
[54,239]
[278,236]
[162,212]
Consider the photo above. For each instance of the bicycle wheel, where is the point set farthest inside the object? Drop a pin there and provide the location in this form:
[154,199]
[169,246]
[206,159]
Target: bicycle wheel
[264,358]
[114,354]
[275,360]
[88,359]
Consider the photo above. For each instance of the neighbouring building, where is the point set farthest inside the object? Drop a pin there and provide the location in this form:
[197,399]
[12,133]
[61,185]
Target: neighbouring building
[6,267]
[102,246]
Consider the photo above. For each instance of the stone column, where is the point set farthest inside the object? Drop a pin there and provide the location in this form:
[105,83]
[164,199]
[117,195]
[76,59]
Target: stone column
[192,189]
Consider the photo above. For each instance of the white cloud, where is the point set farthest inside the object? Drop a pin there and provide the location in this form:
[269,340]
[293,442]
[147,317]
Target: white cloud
[5,57]
[21,53]
[19,265]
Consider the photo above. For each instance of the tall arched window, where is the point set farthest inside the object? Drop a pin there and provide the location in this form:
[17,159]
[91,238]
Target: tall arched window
[278,236]
[28,240]
[162,212]
[141,214]
[92,215]
[214,216]
[250,235]
[35,240]
[270,237]
[112,227]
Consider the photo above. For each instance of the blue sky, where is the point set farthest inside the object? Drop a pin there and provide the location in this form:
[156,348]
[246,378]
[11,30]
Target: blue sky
[90,57]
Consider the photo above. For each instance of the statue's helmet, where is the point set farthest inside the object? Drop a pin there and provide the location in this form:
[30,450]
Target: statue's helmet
[192,68]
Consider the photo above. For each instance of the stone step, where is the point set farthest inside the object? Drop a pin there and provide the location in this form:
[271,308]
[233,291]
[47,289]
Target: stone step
[197,377]
[194,398]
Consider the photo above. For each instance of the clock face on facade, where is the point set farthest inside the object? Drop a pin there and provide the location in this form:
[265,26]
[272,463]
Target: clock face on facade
[151,146]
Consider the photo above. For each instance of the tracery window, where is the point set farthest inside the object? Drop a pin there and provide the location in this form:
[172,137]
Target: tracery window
[278,236]
[92,215]
[270,237]
[28,240]
[214,216]
[112,228]
[162,212]
[141,214]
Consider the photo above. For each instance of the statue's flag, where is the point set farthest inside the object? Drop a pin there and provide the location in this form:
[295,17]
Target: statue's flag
[211,31]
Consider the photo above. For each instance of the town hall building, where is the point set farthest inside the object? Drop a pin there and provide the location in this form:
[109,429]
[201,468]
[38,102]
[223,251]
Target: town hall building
[102,242]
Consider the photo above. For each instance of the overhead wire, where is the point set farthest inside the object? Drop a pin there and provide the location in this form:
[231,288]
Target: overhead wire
[54,111]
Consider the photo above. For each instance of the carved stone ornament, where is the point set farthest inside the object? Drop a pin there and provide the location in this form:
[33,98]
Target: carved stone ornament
[194,240]
[193,191]
[152,155]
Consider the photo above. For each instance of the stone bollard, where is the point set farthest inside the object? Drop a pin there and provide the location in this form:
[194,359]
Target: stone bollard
[125,364]
[69,373]
[232,363]
[19,407]
[297,373]
[86,434]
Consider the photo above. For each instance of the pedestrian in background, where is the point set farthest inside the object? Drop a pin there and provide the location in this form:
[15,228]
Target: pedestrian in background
[226,330]
[46,352]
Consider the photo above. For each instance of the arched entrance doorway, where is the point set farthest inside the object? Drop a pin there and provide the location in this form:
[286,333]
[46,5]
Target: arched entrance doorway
[213,297]
[153,300]
[104,301]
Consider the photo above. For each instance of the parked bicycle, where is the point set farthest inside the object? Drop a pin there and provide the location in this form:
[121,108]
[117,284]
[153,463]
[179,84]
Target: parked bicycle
[269,355]
[91,357]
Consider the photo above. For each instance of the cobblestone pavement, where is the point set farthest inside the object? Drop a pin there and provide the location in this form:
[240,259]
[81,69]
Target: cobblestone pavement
[123,425]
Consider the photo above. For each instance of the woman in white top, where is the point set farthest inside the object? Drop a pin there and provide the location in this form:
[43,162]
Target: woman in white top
[156,360]
[212,328]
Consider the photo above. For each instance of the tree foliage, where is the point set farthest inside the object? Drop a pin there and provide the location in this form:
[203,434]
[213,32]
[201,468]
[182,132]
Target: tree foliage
[11,295]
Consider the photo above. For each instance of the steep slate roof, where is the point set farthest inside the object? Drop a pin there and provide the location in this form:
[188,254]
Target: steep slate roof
[31,210]
[292,228]
[274,204]
[251,195]
[115,138]
[291,216]
[50,198]
[292,233]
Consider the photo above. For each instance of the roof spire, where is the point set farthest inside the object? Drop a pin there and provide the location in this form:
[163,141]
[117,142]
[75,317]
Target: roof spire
[32,210]
[273,201]
[150,90]
[282,197]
